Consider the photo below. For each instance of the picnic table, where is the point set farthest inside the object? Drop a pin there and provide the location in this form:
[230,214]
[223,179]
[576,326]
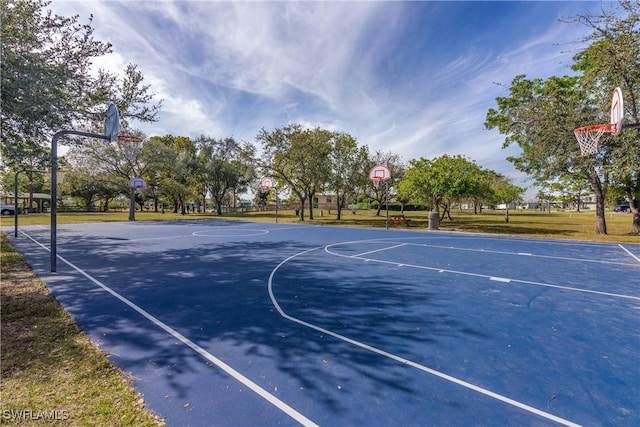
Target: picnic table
[399,219]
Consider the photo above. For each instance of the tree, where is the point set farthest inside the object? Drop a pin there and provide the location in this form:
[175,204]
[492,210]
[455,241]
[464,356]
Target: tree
[545,195]
[318,144]
[28,182]
[47,84]
[348,169]
[571,189]
[89,185]
[117,162]
[128,91]
[298,157]
[44,64]
[484,189]
[540,115]
[507,193]
[441,181]
[464,180]
[172,160]
[613,59]
[415,182]
[159,154]
[224,167]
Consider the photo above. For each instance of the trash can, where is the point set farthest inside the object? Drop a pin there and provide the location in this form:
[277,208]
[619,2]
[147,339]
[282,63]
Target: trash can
[434,220]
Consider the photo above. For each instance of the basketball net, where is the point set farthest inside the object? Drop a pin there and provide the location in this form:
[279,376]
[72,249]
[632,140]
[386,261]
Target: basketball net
[589,136]
[132,149]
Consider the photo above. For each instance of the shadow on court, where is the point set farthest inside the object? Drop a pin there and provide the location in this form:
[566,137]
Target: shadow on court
[216,295]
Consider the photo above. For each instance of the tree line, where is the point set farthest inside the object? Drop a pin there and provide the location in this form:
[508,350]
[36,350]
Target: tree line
[302,162]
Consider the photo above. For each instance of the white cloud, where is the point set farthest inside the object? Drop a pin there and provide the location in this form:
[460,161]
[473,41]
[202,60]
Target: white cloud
[373,69]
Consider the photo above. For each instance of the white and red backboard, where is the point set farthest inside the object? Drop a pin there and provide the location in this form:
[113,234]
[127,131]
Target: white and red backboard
[380,173]
[267,183]
[617,111]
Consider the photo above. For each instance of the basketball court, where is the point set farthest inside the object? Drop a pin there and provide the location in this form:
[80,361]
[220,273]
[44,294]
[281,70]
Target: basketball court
[238,323]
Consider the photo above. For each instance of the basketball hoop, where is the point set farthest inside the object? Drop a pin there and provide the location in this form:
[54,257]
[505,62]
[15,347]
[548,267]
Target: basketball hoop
[130,146]
[589,136]
[128,138]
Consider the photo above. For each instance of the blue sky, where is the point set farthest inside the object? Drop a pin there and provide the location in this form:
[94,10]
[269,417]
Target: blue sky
[414,78]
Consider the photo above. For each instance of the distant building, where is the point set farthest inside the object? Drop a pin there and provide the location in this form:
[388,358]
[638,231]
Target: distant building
[39,200]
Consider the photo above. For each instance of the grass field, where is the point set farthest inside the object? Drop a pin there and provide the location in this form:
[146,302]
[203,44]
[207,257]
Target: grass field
[51,369]
[522,223]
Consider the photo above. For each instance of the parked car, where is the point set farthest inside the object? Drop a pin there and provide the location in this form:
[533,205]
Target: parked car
[622,208]
[7,209]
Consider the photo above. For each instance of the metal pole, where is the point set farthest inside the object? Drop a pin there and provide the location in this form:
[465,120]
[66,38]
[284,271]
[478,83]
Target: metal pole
[15,198]
[54,196]
[15,204]
[276,190]
[54,184]
[132,204]
[387,200]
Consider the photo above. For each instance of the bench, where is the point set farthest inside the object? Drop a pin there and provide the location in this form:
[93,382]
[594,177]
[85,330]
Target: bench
[399,219]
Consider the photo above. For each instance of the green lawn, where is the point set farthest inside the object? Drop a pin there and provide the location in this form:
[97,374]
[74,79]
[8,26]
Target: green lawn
[522,223]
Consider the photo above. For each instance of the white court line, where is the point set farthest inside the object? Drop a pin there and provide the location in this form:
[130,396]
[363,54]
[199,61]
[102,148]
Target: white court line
[466,273]
[250,232]
[145,239]
[457,248]
[199,233]
[381,249]
[629,252]
[523,254]
[195,347]
[195,234]
[403,360]
[211,229]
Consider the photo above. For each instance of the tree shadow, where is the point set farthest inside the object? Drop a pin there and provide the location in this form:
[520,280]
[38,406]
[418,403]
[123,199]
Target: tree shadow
[216,295]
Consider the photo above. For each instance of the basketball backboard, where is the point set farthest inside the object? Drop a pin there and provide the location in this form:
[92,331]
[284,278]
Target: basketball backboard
[137,182]
[112,123]
[266,183]
[380,173]
[617,111]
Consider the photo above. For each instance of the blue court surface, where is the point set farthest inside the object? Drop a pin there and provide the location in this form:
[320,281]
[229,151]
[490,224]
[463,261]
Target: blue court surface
[252,324]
